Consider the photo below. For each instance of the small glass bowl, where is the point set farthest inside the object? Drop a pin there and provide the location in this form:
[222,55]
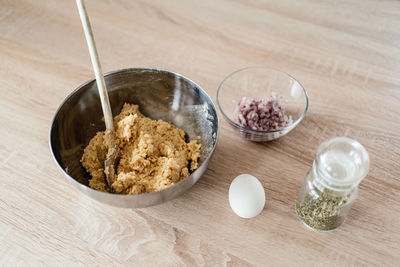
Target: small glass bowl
[258,83]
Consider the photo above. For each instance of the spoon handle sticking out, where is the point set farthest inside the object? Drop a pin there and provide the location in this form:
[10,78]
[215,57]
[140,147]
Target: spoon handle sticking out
[101,85]
[113,153]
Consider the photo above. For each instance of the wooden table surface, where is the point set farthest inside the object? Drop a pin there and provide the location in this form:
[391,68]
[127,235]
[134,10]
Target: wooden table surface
[345,53]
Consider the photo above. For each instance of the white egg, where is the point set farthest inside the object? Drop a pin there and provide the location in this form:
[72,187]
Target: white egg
[246,196]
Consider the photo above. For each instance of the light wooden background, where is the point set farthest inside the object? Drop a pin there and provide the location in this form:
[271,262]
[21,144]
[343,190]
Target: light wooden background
[347,55]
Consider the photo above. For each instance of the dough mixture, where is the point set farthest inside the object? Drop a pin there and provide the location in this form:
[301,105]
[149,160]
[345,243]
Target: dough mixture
[154,154]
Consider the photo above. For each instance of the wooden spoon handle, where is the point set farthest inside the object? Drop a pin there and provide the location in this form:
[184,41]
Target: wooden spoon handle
[101,85]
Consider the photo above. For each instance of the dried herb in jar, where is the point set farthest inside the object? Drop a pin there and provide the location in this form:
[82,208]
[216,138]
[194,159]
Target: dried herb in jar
[330,186]
[324,212]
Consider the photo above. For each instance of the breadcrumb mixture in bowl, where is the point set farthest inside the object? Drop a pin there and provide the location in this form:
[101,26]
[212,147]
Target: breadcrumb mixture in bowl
[156,133]
[154,154]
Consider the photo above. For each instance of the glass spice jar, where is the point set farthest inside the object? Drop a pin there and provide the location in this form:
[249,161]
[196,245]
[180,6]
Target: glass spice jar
[330,187]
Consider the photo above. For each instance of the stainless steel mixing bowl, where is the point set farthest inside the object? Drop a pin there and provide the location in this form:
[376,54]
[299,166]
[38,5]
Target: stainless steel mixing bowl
[161,95]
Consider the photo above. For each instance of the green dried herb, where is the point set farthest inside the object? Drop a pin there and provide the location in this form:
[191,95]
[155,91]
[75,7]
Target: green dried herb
[322,213]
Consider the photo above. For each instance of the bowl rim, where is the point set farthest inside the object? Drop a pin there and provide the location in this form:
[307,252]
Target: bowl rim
[83,187]
[258,132]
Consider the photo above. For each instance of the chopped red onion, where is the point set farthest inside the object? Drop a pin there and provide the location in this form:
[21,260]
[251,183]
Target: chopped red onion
[262,115]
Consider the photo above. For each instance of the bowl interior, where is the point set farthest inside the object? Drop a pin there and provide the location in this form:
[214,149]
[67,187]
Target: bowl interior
[159,94]
[259,83]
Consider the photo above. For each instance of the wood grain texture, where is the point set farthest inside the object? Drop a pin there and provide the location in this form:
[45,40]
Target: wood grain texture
[347,55]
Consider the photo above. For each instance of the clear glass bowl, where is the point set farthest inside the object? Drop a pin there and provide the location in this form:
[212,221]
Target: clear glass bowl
[258,83]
